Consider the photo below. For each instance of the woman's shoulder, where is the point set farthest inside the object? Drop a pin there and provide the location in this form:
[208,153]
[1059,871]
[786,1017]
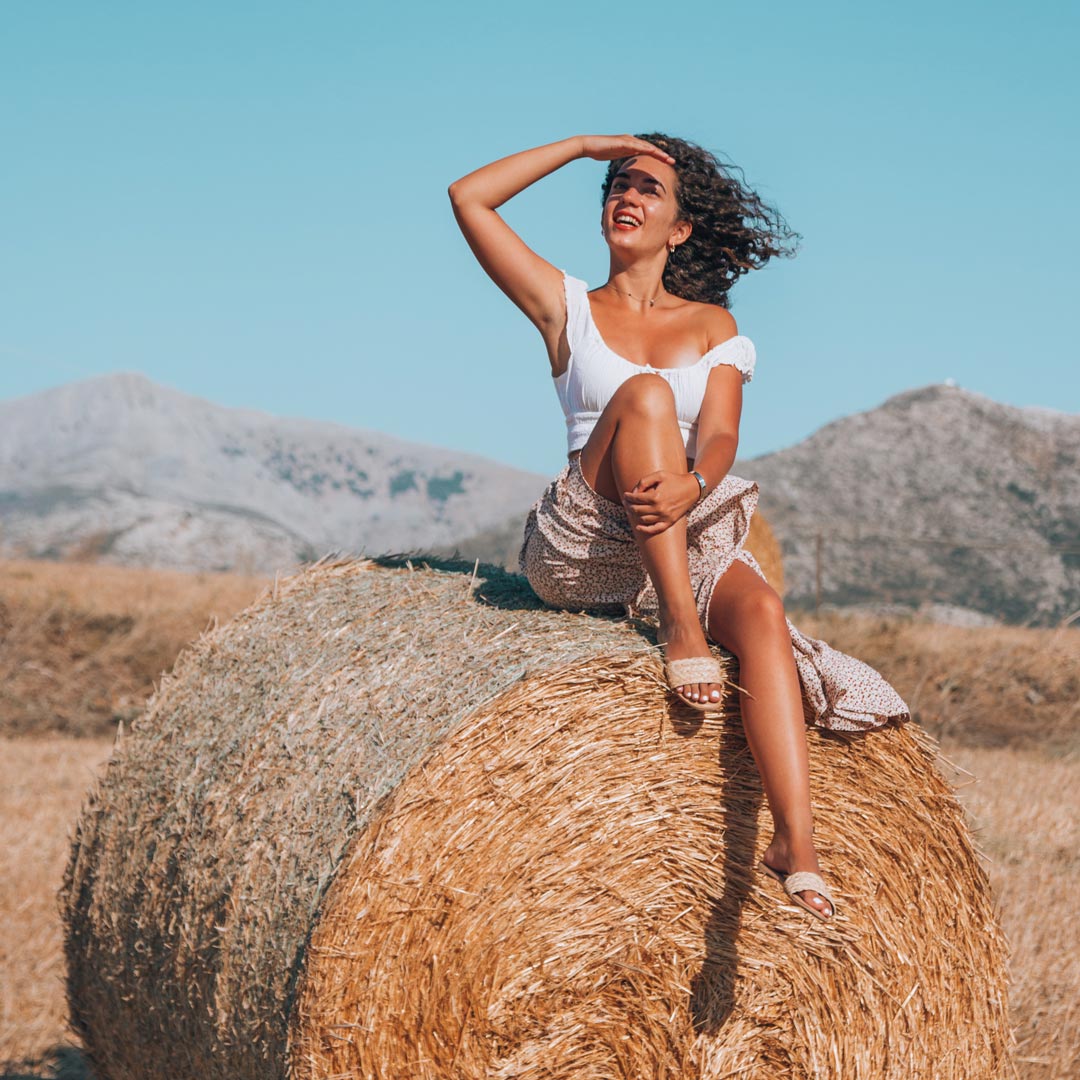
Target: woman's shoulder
[715,323]
[725,345]
[577,311]
[575,290]
[719,323]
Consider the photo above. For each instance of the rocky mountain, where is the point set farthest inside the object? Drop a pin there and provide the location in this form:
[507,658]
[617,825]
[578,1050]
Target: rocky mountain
[938,496]
[123,469]
[940,500]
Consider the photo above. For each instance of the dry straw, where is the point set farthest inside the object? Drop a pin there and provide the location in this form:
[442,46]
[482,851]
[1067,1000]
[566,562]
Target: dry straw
[404,823]
[763,545]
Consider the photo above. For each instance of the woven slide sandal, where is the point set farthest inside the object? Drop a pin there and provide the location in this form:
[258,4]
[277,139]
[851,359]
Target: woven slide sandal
[801,882]
[695,669]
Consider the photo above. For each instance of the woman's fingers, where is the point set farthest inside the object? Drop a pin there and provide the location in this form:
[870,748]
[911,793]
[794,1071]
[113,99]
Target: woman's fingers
[652,530]
[610,147]
[646,491]
[649,506]
[650,480]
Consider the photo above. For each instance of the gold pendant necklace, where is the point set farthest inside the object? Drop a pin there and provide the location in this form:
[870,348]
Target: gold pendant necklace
[631,295]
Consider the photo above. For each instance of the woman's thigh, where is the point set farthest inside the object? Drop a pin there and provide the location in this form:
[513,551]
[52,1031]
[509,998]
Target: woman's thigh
[578,550]
[743,609]
[645,400]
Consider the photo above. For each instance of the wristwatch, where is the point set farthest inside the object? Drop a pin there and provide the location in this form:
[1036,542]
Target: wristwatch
[701,483]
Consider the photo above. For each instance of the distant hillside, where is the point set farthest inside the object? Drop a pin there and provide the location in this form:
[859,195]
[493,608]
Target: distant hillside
[939,495]
[125,470]
[939,498]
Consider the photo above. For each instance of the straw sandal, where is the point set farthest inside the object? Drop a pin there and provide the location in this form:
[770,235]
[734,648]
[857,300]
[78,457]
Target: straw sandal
[694,669]
[801,882]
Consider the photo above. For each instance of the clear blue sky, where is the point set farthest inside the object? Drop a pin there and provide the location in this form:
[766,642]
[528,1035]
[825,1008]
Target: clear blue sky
[247,201]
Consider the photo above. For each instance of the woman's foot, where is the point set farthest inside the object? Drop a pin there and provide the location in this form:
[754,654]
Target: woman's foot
[684,641]
[783,858]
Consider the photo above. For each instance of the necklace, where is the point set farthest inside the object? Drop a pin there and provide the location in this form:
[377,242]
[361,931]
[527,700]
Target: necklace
[631,295]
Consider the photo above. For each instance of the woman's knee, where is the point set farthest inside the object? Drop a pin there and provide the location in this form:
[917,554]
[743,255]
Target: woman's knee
[748,617]
[645,394]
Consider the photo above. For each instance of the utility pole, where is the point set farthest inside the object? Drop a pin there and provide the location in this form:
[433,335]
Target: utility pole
[818,542]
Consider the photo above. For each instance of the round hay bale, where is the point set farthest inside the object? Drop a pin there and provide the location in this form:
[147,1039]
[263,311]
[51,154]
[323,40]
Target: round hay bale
[398,823]
[761,542]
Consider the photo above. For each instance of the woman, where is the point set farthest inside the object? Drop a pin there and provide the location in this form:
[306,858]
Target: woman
[649,369]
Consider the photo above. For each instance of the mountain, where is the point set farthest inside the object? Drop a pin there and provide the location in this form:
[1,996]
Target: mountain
[940,495]
[124,469]
[939,499]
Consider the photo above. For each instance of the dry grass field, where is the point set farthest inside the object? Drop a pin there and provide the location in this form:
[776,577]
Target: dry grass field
[1025,808]
[42,783]
[81,644]
[80,647]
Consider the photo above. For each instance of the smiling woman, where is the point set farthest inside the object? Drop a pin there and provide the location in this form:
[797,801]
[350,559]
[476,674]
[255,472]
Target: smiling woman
[649,369]
[733,232]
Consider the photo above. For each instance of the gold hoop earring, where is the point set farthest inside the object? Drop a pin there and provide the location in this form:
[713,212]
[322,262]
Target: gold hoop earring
[671,249]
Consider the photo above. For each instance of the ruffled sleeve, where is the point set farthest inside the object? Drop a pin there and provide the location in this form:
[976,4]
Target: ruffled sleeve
[738,351]
[577,301]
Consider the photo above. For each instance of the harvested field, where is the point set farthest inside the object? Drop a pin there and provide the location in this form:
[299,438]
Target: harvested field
[1025,810]
[82,644]
[1024,804]
[991,686]
[43,782]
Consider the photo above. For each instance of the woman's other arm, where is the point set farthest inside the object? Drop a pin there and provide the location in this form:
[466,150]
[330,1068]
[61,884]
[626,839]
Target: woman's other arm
[718,422]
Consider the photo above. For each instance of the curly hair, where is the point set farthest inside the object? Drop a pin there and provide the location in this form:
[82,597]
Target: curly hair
[734,231]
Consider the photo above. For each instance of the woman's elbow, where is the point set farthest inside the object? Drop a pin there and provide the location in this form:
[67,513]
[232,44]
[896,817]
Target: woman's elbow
[727,439]
[722,444]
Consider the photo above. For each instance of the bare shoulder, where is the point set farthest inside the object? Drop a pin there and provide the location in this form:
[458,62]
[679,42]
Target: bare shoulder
[717,322]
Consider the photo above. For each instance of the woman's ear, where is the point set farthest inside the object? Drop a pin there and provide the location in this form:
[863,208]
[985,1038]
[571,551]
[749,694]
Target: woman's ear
[681,233]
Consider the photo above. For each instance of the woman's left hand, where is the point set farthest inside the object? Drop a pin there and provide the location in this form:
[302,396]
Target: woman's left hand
[659,500]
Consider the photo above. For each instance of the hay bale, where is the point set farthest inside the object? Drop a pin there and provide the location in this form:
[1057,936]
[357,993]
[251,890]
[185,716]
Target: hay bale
[761,542]
[407,824]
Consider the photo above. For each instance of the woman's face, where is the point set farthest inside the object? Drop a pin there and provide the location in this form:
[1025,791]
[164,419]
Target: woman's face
[640,212]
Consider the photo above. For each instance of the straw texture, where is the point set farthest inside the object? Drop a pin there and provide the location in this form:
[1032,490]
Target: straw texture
[761,542]
[397,823]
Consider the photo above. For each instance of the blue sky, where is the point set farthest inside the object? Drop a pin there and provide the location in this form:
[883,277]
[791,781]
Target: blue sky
[248,201]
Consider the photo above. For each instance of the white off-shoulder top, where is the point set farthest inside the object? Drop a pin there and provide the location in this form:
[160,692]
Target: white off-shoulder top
[595,372]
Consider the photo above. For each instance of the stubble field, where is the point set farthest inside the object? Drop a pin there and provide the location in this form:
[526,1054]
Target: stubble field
[80,647]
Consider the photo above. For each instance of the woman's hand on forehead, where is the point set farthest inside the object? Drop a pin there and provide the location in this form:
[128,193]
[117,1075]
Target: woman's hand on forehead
[612,147]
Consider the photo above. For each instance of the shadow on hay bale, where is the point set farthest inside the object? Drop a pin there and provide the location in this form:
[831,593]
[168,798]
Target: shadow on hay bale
[405,823]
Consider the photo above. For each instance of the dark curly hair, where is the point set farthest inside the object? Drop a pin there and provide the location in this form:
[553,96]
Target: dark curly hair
[733,230]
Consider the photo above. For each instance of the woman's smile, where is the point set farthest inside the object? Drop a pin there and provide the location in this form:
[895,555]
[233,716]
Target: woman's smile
[639,197]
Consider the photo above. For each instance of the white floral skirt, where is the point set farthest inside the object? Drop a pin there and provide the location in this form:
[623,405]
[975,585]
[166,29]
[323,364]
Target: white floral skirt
[579,553]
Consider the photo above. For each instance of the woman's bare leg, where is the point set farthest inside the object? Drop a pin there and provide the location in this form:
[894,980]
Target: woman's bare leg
[747,617]
[637,434]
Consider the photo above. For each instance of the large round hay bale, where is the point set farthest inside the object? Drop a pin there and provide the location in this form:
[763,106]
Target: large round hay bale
[761,542]
[396,823]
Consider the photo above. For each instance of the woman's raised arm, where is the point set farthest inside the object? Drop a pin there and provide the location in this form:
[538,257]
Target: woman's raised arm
[530,281]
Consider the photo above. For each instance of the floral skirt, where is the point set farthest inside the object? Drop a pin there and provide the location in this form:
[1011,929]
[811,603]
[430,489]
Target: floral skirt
[579,553]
